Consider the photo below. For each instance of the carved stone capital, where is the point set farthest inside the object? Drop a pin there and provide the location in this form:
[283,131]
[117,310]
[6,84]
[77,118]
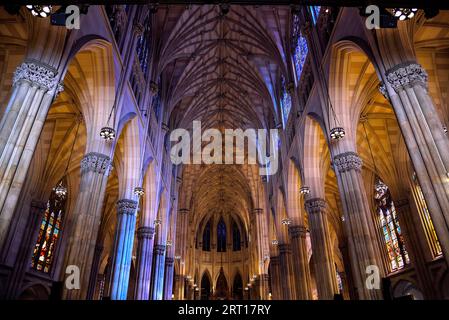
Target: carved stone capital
[145,233]
[169,261]
[138,29]
[383,90]
[274,260]
[315,205]
[297,231]
[96,162]
[285,248]
[154,88]
[290,88]
[406,75]
[159,249]
[165,127]
[184,211]
[126,206]
[38,73]
[347,161]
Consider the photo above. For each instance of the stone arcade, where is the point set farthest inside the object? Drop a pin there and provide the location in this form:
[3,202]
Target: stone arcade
[89,193]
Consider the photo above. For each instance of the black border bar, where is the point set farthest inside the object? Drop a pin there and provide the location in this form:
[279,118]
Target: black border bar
[422,4]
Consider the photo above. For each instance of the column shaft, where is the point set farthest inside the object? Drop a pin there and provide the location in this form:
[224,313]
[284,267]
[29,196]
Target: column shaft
[145,240]
[159,269]
[326,281]
[361,243]
[168,290]
[123,245]
[300,262]
[95,168]
[35,85]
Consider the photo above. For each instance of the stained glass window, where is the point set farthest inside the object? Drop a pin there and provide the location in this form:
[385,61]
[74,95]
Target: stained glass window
[236,239]
[49,233]
[339,281]
[286,102]
[221,236]
[143,48]
[300,47]
[206,237]
[426,220]
[391,230]
[315,12]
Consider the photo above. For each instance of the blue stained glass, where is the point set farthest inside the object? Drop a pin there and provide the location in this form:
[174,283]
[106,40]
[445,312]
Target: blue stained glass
[300,46]
[286,102]
[315,11]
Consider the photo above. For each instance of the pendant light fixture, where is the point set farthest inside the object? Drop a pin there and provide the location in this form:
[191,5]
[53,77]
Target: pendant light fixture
[336,132]
[403,13]
[304,190]
[39,10]
[61,189]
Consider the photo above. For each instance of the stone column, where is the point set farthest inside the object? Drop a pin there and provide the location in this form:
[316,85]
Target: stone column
[159,269]
[168,290]
[123,245]
[95,169]
[275,278]
[263,281]
[322,251]
[416,246]
[428,146]
[34,86]
[286,271]
[358,221]
[23,261]
[145,240]
[300,262]
[94,271]
[262,249]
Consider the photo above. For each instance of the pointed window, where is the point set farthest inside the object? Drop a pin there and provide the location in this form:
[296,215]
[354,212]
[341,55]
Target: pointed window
[390,228]
[49,230]
[221,236]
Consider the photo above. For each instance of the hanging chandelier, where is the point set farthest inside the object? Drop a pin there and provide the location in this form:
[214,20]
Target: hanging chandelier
[404,13]
[169,243]
[286,221]
[304,190]
[157,222]
[274,242]
[39,10]
[139,191]
[107,133]
[60,190]
[337,133]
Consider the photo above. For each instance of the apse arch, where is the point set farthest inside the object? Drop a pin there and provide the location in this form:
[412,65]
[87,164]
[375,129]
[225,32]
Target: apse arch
[206,287]
[353,77]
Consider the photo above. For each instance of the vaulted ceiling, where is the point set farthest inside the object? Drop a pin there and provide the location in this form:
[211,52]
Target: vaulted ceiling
[222,69]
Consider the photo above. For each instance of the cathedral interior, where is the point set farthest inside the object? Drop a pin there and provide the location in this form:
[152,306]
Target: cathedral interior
[92,206]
